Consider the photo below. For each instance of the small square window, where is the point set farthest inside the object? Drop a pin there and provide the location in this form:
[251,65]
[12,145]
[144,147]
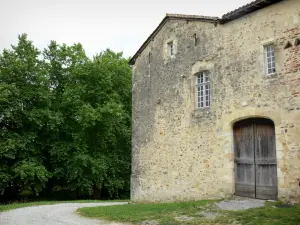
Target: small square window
[269,59]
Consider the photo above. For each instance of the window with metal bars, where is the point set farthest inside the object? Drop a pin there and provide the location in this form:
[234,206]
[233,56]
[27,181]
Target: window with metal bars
[270,59]
[203,90]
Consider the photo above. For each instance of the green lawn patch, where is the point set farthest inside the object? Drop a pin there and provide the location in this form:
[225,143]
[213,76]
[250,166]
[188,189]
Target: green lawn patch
[11,206]
[269,215]
[168,213]
[135,213]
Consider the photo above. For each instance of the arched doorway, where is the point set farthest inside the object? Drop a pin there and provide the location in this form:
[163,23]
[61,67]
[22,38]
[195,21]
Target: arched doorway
[255,158]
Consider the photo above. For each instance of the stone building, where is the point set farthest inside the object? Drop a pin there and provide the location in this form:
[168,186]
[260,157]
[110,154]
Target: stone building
[216,106]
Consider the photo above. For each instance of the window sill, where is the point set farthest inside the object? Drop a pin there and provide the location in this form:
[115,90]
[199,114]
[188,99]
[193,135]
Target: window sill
[169,59]
[200,112]
[270,76]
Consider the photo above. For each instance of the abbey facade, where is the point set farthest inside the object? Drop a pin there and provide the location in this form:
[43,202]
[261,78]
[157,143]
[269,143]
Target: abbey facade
[216,106]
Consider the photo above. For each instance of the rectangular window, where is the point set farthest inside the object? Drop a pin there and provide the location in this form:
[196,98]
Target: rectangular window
[269,59]
[149,58]
[195,40]
[171,48]
[203,90]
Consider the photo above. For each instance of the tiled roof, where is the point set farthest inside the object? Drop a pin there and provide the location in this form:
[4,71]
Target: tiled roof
[246,9]
[235,14]
[162,23]
[184,16]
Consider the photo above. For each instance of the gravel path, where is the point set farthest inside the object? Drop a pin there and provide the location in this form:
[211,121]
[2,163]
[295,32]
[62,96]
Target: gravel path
[58,214]
[241,204]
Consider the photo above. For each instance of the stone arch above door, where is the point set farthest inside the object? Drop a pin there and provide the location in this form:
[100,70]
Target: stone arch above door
[255,158]
[225,124]
[249,112]
[224,127]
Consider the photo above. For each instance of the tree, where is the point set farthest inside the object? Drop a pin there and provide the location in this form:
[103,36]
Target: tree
[23,110]
[66,120]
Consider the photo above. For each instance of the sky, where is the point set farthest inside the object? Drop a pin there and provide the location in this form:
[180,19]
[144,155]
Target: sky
[122,26]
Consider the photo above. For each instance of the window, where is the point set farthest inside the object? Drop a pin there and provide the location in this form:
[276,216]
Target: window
[195,39]
[149,58]
[270,59]
[288,45]
[171,48]
[203,90]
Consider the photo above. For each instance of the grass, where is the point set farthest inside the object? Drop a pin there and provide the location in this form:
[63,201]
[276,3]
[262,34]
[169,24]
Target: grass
[135,213]
[270,215]
[165,214]
[11,206]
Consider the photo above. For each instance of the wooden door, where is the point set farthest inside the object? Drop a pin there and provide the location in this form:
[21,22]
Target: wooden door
[255,159]
[265,160]
[244,159]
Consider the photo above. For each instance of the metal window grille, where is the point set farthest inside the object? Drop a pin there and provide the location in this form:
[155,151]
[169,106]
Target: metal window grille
[203,90]
[270,59]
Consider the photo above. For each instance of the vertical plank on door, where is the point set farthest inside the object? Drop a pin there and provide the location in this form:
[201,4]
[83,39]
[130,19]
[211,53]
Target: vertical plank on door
[265,160]
[244,159]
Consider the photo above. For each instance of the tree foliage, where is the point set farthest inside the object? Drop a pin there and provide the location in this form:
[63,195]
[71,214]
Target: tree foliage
[65,121]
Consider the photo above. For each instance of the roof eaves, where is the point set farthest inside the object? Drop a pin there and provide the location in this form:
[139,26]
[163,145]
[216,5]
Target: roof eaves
[235,14]
[162,23]
[197,17]
[246,9]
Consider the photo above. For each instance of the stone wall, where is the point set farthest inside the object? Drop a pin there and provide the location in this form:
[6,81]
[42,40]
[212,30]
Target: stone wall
[184,153]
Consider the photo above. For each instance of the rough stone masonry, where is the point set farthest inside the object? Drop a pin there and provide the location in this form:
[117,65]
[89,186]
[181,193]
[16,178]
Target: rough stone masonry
[183,152]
